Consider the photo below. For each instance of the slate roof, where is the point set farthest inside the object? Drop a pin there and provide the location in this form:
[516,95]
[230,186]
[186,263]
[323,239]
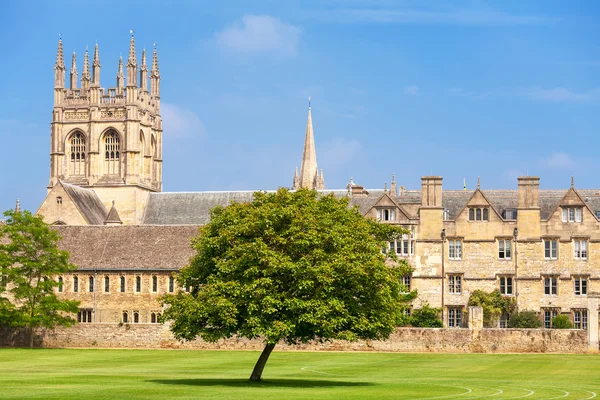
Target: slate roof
[127,247]
[87,202]
[193,208]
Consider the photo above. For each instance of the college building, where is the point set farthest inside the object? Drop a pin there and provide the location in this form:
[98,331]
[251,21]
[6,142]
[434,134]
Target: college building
[127,237]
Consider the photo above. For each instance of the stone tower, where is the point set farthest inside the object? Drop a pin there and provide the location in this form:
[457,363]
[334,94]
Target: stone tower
[310,177]
[108,139]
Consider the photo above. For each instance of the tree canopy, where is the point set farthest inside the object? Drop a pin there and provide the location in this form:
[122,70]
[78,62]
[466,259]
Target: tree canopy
[30,261]
[292,267]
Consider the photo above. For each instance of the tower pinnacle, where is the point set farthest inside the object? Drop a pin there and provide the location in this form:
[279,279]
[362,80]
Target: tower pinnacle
[120,76]
[96,67]
[73,75]
[144,73]
[59,67]
[85,73]
[131,63]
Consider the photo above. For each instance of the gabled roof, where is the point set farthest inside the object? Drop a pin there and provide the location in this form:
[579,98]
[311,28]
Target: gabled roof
[87,202]
[486,202]
[393,200]
[127,246]
[113,216]
[572,197]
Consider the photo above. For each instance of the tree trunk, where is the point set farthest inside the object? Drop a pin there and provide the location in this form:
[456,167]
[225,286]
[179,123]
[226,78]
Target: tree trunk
[31,336]
[262,360]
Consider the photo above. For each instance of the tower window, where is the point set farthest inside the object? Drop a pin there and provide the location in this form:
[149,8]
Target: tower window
[107,284]
[122,289]
[112,147]
[77,154]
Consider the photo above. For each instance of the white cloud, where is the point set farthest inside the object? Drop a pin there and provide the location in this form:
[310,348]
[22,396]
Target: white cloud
[180,122]
[338,152]
[557,161]
[411,90]
[260,34]
[560,94]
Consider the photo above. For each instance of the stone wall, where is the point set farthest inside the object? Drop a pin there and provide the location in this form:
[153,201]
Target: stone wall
[404,340]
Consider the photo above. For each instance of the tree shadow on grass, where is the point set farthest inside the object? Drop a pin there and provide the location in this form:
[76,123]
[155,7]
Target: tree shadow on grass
[246,383]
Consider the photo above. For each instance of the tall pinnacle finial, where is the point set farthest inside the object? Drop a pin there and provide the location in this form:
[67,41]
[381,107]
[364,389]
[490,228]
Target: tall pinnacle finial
[132,61]
[96,67]
[572,182]
[144,66]
[73,74]
[60,58]
[85,73]
[120,75]
[154,72]
[74,63]
[478,183]
[309,102]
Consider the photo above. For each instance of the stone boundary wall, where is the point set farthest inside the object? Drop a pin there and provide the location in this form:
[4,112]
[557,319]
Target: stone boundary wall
[435,340]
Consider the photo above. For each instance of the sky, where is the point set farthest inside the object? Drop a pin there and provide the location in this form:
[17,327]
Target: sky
[461,89]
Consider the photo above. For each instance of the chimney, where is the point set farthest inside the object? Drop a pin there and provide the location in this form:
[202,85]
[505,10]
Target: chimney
[431,191]
[529,192]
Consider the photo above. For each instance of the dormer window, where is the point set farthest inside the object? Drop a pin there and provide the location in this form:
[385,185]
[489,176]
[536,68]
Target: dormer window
[572,214]
[479,214]
[386,214]
[509,213]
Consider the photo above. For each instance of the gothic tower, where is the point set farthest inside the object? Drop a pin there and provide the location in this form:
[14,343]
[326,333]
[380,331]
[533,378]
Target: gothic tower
[108,140]
[310,177]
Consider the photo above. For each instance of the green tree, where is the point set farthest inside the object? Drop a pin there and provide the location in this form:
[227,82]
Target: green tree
[494,305]
[292,267]
[524,320]
[30,260]
[561,322]
[424,317]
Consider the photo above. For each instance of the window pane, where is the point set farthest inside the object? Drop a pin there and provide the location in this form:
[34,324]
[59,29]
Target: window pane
[578,214]
[478,214]
[485,214]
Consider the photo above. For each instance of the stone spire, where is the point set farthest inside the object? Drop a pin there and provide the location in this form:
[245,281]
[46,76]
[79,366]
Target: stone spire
[131,64]
[96,67]
[73,75]
[309,174]
[155,75]
[120,76]
[85,73]
[296,184]
[144,73]
[59,67]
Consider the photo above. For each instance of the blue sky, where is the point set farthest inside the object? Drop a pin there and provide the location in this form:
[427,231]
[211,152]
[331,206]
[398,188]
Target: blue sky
[461,89]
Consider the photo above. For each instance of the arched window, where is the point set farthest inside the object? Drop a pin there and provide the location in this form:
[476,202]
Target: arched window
[122,284]
[153,167]
[112,153]
[107,284]
[138,284]
[143,163]
[125,317]
[136,317]
[153,318]
[60,283]
[76,154]
[171,284]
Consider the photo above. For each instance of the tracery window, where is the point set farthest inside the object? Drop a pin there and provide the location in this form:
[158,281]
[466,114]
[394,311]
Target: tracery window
[112,153]
[76,154]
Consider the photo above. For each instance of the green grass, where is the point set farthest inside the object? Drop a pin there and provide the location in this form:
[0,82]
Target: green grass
[160,374]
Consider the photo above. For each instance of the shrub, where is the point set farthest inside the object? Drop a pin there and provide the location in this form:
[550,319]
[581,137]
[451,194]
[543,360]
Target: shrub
[494,305]
[561,322]
[424,317]
[524,320]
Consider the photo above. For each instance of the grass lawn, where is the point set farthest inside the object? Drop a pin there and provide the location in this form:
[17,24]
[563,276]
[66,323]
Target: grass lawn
[160,374]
